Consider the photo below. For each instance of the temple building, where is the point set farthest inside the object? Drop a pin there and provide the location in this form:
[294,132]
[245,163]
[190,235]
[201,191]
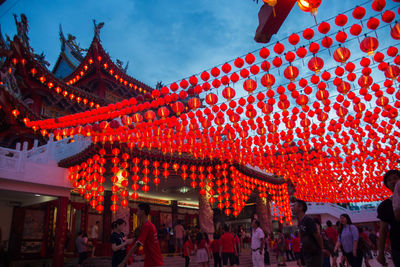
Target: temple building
[56,184]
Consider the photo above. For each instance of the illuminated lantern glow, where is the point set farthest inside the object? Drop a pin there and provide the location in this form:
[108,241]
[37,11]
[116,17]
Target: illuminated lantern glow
[369,45]
[250,85]
[315,64]
[211,99]
[309,6]
[291,73]
[194,103]
[395,31]
[268,80]
[228,93]
[341,54]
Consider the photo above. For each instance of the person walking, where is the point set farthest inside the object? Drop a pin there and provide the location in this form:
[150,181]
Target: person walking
[227,247]
[215,246]
[147,239]
[311,240]
[95,236]
[202,251]
[333,235]
[257,244]
[81,246]
[179,234]
[387,219]
[348,239]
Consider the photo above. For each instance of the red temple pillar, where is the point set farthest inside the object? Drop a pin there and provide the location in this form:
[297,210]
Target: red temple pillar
[61,229]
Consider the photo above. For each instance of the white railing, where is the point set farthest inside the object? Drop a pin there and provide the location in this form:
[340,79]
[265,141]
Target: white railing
[357,216]
[53,151]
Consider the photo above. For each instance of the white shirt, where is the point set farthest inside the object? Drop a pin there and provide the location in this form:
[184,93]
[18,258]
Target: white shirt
[95,231]
[256,238]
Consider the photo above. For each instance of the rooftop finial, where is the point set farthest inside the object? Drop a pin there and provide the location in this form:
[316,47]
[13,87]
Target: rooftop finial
[22,29]
[97,27]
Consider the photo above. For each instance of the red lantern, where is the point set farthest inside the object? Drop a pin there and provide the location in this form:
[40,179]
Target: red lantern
[268,80]
[211,99]
[309,6]
[178,107]
[395,31]
[359,12]
[315,64]
[369,45]
[291,73]
[228,93]
[250,85]
[194,103]
[341,54]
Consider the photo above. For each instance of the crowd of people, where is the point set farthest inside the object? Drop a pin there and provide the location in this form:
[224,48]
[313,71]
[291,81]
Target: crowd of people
[312,245]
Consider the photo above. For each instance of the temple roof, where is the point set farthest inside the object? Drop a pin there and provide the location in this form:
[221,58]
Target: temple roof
[70,57]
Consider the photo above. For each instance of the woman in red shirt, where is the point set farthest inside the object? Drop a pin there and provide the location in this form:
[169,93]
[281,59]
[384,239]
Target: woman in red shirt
[187,250]
[202,252]
[297,248]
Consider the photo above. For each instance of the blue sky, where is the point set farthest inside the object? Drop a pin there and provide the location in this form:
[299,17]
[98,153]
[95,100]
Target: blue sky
[162,40]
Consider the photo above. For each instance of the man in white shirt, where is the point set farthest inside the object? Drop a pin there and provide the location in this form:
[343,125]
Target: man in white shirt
[179,234]
[95,236]
[257,244]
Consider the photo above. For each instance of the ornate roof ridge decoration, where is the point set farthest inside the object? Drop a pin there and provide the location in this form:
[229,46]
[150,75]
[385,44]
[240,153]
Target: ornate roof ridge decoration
[96,55]
[181,159]
[21,51]
[74,49]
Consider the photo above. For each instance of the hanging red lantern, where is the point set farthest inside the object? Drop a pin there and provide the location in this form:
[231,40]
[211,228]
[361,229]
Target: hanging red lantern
[250,85]
[301,52]
[308,34]
[355,30]
[373,23]
[268,80]
[228,93]
[324,27]
[194,103]
[341,36]
[378,5]
[239,62]
[341,54]
[294,39]
[226,68]
[369,45]
[341,20]
[249,58]
[359,12]
[178,107]
[326,42]
[309,6]
[315,64]
[388,16]
[291,73]
[395,31]
[211,99]
[279,48]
